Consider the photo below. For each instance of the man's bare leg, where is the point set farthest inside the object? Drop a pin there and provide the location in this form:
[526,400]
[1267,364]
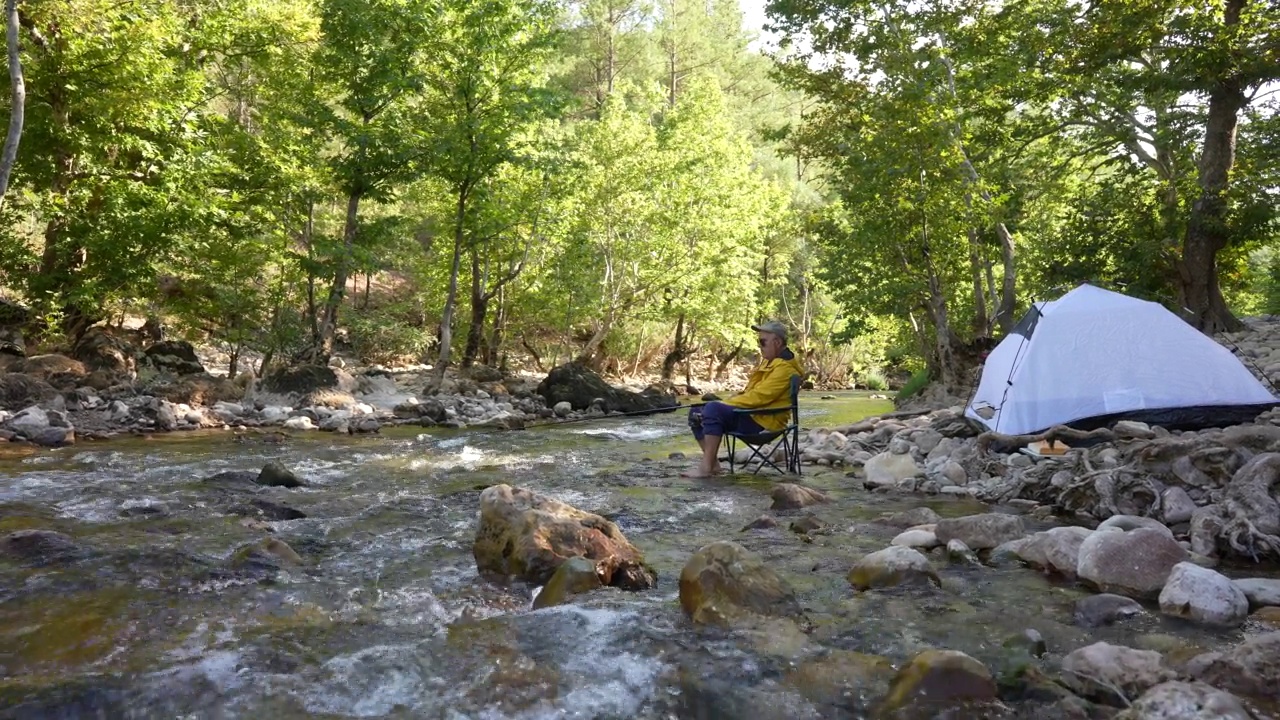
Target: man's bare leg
[710,464]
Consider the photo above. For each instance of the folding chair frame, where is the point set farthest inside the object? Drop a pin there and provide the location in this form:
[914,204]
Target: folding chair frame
[764,444]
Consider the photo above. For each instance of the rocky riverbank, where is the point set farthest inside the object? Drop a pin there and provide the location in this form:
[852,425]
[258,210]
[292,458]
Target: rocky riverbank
[106,387]
[1216,489]
[1134,563]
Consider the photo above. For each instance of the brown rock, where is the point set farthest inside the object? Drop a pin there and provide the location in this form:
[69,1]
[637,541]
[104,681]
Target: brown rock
[724,582]
[789,496]
[1267,616]
[528,535]
[764,522]
[1250,668]
[201,390]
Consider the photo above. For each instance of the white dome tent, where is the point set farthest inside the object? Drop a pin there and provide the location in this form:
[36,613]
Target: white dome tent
[1094,356]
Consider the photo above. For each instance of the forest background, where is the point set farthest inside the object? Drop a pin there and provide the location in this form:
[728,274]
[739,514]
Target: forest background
[631,183]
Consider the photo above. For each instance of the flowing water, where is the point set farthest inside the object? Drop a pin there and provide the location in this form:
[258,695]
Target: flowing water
[157,611]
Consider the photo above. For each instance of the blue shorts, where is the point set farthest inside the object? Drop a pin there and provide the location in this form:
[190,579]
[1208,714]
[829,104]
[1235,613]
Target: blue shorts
[715,418]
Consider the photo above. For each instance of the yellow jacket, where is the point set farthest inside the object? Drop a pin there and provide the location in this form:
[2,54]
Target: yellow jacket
[770,387]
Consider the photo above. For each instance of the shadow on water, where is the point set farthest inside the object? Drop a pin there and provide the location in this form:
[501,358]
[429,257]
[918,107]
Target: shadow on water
[163,603]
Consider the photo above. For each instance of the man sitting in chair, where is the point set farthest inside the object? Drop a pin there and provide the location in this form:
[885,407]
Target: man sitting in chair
[768,387]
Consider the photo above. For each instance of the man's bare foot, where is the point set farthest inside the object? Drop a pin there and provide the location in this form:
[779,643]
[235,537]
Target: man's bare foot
[699,473]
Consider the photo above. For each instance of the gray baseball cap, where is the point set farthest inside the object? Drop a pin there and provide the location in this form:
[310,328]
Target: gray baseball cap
[772,326]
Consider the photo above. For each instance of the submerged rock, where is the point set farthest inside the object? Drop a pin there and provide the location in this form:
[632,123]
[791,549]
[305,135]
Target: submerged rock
[273,474]
[574,576]
[789,496]
[37,547]
[935,681]
[529,535]
[892,566]
[1105,609]
[723,582]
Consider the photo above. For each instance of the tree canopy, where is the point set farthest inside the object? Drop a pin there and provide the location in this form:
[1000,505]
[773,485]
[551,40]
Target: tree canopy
[630,183]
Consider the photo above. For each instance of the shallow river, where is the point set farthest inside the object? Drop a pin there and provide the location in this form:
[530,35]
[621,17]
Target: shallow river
[156,612]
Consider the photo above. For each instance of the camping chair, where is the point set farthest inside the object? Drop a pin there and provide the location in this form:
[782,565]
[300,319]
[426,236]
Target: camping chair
[764,444]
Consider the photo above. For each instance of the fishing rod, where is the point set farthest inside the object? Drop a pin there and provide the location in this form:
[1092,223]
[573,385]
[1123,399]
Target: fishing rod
[633,413]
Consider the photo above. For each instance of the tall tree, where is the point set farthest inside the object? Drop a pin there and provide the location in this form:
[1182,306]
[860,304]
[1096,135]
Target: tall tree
[18,97]
[371,59]
[486,89]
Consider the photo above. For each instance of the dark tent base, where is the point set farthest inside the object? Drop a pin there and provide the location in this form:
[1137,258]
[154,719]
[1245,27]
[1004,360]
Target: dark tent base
[1182,418]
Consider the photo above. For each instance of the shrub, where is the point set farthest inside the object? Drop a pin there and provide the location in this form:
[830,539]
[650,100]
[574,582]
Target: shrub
[916,384]
[875,380]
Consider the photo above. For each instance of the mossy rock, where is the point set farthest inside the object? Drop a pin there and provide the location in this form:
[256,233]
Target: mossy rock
[574,576]
[723,582]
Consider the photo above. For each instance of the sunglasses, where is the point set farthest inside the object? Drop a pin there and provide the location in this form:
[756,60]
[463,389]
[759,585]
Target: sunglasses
[762,343]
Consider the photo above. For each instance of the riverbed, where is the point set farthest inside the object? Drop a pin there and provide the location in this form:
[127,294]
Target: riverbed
[161,607]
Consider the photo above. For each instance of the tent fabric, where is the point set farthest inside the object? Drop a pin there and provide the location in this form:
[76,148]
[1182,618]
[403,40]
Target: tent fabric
[1094,356]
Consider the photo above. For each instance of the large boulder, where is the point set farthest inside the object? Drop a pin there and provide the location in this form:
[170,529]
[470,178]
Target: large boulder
[981,532]
[18,390]
[529,535]
[723,582]
[1113,673]
[1176,700]
[203,389]
[1135,563]
[98,349]
[305,379]
[176,357]
[1250,668]
[59,371]
[579,386]
[1203,595]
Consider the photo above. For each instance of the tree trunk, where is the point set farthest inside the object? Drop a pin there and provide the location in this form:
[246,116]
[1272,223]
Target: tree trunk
[981,325]
[1009,287]
[308,231]
[942,328]
[338,288]
[725,361]
[677,353]
[479,308]
[451,297]
[590,355]
[493,349]
[17,107]
[537,359]
[1207,231]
